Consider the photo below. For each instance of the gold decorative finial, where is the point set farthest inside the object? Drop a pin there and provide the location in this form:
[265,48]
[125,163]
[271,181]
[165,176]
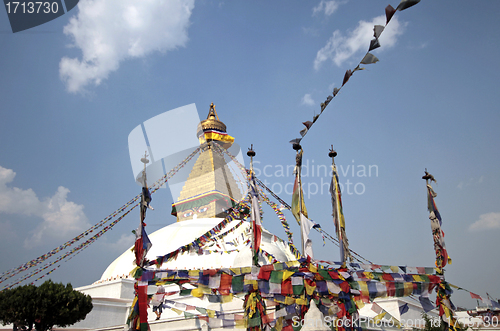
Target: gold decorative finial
[212,121]
[212,112]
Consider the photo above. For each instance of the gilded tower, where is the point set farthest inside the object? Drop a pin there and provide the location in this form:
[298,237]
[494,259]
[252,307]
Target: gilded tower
[210,188]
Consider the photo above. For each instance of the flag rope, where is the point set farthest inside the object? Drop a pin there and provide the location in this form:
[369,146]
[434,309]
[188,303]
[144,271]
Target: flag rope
[28,265]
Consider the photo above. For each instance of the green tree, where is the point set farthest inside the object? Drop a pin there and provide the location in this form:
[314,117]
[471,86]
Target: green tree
[433,324]
[50,304]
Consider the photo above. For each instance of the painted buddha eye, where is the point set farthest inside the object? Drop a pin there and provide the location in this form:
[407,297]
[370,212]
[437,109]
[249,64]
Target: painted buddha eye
[202,209]
[188,214]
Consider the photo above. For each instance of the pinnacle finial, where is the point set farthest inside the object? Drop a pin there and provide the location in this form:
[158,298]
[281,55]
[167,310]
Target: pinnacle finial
[212,112]
[332,153]
[251,152]
[428,177]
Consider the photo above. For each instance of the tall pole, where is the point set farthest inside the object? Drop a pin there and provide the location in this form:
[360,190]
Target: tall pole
[255,210]
[336,212]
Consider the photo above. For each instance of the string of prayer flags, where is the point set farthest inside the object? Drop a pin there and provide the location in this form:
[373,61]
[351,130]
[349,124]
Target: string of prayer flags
[222,152]
[367,59]
[206,237]
[123,210]
[291,286]
[72,252]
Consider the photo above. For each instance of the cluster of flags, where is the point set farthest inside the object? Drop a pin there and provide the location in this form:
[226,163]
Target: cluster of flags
[443,290]
[141,248]
[292,285]
[442,257]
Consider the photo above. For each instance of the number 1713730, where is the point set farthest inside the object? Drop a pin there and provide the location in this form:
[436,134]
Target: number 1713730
[38,7]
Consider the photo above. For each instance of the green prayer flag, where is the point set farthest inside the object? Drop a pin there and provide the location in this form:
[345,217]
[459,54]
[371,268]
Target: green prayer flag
[276,277]
[201,310]
[237,284]
[298,289]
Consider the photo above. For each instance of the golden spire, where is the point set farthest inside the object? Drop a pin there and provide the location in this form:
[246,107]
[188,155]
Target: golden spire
[210,188]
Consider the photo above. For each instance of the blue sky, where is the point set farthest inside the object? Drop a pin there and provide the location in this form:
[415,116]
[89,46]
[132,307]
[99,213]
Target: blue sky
[73,89]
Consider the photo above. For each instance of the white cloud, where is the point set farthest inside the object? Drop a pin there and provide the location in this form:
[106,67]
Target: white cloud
[7,231]
[307,100]
[328,7]
[125,242]
[486,222]
[111,31]
[340,48]
[60,217]
[470,182]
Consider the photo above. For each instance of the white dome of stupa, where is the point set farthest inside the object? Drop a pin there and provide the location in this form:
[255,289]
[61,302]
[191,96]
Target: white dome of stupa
[230,251]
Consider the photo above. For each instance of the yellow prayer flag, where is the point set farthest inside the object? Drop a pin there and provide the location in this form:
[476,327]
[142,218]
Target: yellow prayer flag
[292,264]
[408,289]
[227,298]
[177,311]
[368,274]
[359,303]
[241,324]
[301,301]
[287,274]
[197,292]
[309,289]
[417,278]
[379,316]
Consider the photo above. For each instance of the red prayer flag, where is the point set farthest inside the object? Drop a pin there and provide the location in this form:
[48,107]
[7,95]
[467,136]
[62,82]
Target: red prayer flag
[389,12]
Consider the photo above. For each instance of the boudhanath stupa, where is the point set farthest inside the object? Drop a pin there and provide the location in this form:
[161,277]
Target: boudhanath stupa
[210,190]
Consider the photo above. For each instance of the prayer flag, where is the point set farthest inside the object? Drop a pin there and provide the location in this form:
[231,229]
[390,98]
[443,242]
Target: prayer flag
[377,30]
[214,134]
[256,222]
[298,205]
[338,216]
[389,12]
[306,225]
[426,303]
[403,309]
[439,246]
[404,4]
[369,59]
